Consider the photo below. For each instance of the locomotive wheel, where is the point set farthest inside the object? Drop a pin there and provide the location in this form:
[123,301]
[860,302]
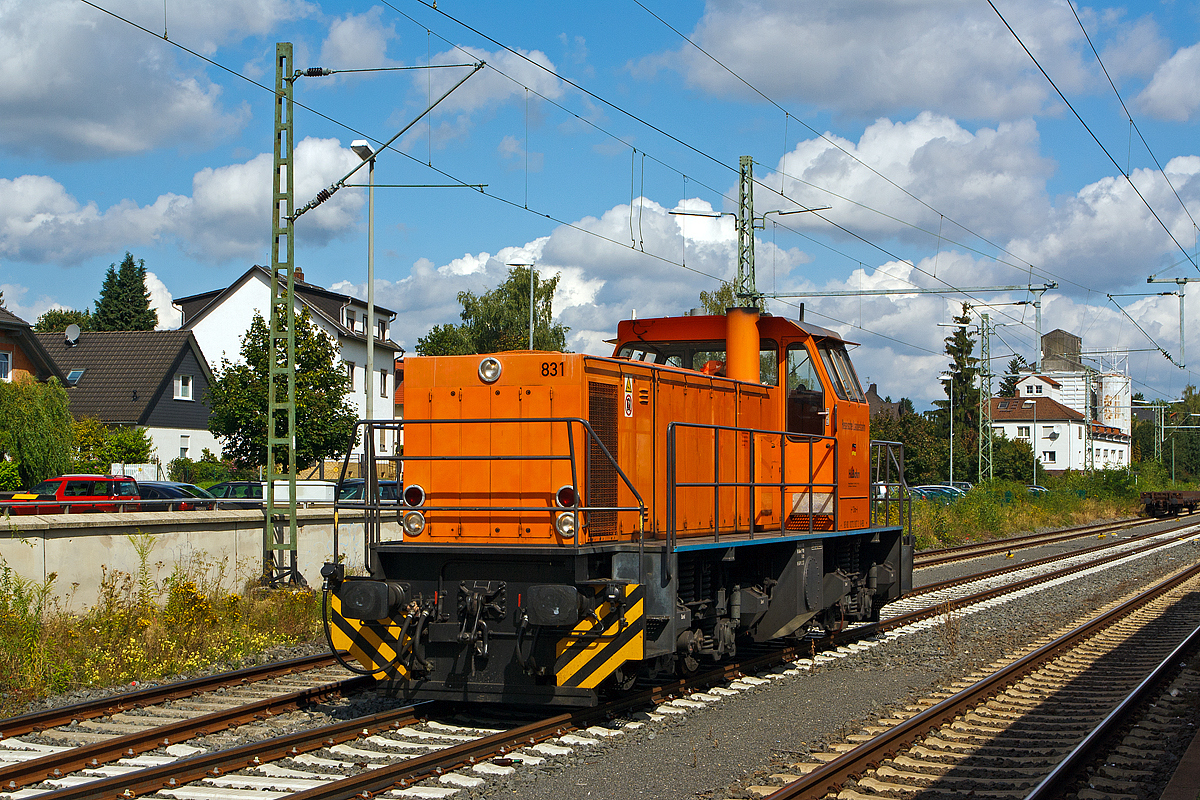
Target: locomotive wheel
[624,679]
[688,665]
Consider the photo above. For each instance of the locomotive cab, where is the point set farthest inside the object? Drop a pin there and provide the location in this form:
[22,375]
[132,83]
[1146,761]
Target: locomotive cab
[571,522]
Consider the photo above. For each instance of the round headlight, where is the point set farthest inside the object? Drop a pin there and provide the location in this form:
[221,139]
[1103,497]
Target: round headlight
[489,370]
[565,524]
[414,523]
[414,495]
[565,496]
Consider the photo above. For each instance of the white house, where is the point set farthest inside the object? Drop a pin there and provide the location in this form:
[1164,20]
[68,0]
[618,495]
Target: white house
[220,318]
[1057,433]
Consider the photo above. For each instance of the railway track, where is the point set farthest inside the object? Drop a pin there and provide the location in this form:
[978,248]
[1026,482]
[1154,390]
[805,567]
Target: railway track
[1027,728]
[422,752]
[964,552]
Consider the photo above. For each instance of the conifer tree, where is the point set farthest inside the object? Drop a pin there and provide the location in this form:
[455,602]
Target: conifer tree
[124,303]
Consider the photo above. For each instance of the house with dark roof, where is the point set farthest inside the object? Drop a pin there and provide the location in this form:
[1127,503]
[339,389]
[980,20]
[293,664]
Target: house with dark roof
[21,353]
[221,317]
[156,380]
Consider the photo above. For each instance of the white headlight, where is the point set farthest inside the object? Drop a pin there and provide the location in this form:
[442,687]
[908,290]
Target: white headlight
[414,523]
[565,524]
[489,370]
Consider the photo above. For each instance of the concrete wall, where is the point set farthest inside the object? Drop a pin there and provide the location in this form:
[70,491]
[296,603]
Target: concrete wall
[78,547]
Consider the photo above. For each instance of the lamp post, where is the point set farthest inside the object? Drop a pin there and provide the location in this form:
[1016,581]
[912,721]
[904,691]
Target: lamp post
[950,383]
[532,282]
[362,148]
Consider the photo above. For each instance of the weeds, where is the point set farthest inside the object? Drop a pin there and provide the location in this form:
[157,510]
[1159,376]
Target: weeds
[140,628]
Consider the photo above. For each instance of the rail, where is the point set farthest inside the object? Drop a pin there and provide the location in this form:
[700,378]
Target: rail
[373,507]
[716,484]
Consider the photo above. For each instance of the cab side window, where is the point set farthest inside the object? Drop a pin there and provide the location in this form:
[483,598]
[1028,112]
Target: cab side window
[805,395]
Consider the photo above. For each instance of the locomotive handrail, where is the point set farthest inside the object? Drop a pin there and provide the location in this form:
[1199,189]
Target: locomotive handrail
[673,484]
[884,458]
[372,506]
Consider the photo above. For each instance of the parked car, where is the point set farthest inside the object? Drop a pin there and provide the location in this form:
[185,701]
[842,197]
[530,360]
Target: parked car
[174,496]
[1036,490]
[239,494]
[355,488]
[73,494]
[962,486]
[937,492]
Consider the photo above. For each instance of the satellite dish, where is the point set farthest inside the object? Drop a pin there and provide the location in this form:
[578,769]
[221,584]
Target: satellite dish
[72,334]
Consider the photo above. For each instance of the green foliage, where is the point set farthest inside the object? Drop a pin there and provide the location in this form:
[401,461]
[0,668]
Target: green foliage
[124,303]
[128,445]
[98,446]
[925,452]
[499,320]
[205,472]
[57,319]
[141,628]
[10,477]
[325,420]
[1012,460]
[1008,384]
[724,298]
[35,428]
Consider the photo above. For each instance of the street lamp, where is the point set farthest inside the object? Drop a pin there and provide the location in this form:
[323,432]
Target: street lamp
[362,148]
[950,382]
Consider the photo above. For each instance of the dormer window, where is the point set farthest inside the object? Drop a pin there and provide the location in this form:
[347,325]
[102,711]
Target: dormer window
[183,387]
[381,325]
[350,318]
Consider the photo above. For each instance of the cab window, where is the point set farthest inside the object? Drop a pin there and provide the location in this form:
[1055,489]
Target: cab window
[805,394]
[46,487]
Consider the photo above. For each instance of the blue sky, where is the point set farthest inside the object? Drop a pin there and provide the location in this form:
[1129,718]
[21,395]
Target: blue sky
[946,155]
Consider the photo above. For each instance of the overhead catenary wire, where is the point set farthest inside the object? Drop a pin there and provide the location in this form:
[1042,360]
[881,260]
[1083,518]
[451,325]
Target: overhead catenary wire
[513,204]
[1095,138]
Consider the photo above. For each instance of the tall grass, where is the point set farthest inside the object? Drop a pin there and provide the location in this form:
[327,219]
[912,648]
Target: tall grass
[140,628]
[1003,508]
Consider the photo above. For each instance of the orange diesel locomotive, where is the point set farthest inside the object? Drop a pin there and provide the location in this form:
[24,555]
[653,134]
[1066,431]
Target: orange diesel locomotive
[569,523]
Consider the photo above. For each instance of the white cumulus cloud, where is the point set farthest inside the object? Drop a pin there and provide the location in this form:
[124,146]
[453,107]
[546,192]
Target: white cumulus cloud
[1174,91]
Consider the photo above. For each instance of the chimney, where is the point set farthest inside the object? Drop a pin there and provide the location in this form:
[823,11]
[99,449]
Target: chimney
[299,274]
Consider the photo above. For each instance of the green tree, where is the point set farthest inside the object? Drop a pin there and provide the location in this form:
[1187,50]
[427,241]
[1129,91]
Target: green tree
[124,303]
[1008,384]
[35,428]
[723,298]
[88,453]
[498,320]
[127,444]
[57,319]
[325,421]
[925,451]
[960,385]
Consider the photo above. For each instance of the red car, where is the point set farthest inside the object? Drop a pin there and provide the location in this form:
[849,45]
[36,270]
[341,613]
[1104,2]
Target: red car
[74,494]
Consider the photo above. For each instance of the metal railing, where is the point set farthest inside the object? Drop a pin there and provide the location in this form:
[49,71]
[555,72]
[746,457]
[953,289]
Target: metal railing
[373,507]
[808,487]
[889,490]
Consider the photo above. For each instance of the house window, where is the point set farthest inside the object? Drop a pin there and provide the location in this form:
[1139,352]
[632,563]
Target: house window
[5,365]
[350,318]
[381,324]
[383,383]
[1039,389]
[185,444]
[382,440]
[183,387]
[74,375]
[1079,431]
[350,372]
[1028,390]
[1022,431]
[1048,456]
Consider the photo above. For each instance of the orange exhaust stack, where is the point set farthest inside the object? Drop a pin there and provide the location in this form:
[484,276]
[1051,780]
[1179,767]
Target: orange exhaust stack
[741,344]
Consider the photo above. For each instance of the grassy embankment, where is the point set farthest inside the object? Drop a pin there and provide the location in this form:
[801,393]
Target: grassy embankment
[1003,508]
[141,629]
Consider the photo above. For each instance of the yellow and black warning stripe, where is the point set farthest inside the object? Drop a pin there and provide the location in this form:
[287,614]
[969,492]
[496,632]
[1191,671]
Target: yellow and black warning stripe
[373,643]
[595,648]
